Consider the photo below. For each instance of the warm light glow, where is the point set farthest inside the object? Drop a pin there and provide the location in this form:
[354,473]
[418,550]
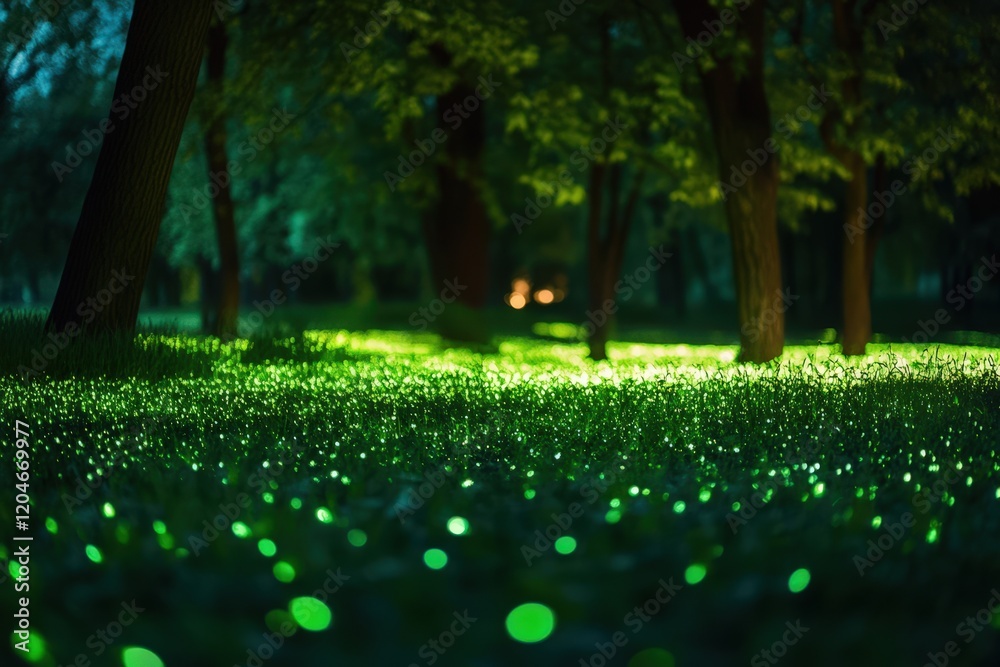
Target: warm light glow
[544,296]
[517,300]
[521,286]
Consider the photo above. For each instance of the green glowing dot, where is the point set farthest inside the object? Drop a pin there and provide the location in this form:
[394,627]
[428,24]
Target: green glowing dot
[530,494]
[93,553]
[12,567]
[267,547]
[324,515]
[695,573]
[165,541]
[652,657]
[530,622]
[615,503]
[268,497]
[799,580]
[705,495]
[284,572]
[819,489]
[566,545]
[310,614]
[633,491]
[876,522]
[932,535]
[458,525]
[435,559]
[679,506]
[134,656]
[108,509]
[613,516]
[51,525]
[159,527]
[36,647]
[296,504]
[736,506]
[241,530]
[357,538]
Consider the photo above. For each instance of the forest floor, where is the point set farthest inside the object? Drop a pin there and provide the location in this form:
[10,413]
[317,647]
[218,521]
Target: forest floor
[380,499]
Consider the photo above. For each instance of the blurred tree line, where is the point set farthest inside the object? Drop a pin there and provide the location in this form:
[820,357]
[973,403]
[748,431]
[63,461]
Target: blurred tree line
[481,142]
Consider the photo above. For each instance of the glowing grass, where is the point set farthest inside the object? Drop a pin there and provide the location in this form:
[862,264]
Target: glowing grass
[391,443]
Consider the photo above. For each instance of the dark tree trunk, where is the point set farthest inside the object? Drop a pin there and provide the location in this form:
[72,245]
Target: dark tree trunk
[123,208]
[855,291]
[606,249]
[741,123]
[227,298]
[880,183]
[457,232]
[857,255]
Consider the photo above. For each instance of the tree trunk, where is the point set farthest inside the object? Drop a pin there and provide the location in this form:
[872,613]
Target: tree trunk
[606,251]
[857,256]
[855,292]
[121,213]
[741,125]
[457,233]
[227,298]
[598,319]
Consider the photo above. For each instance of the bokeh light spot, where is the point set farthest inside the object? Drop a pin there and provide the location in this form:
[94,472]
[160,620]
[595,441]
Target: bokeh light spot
[134,656]
[530,622]
[310,614]
[435,559]
[799,580]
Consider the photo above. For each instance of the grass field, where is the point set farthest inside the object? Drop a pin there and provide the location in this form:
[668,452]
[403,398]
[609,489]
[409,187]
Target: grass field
[384,500]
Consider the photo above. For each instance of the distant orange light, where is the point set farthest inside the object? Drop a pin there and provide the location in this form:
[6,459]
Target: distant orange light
[522,286]
[558,295]
[517,301]
[544,296]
